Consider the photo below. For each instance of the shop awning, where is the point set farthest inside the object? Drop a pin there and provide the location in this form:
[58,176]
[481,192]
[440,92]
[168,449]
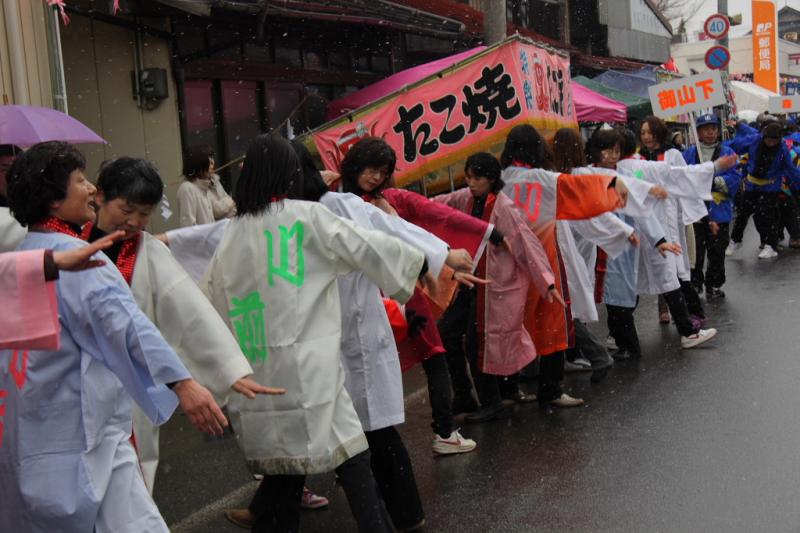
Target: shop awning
[591,106]
[637,107]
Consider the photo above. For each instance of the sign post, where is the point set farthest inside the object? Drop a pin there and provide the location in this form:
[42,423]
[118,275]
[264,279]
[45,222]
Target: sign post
[717,26]
[765,45]
[685,95]
[782,105]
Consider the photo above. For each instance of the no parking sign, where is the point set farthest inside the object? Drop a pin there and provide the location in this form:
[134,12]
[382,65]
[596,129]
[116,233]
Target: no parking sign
[718,57]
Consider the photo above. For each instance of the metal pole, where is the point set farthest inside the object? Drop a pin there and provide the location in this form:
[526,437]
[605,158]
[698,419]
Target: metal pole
[722,7]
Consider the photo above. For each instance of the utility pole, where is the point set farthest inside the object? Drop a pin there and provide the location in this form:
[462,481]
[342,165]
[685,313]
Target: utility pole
[722,8]
[494,21]
[565,29]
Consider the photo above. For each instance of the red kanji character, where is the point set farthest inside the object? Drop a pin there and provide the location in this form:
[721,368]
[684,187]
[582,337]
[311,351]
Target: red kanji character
[707,86]
[666,99]
[686,95]
[19,371]
[3,394]
[787,104]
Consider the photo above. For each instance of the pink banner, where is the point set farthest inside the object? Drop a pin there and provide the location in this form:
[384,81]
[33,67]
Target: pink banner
[458,112]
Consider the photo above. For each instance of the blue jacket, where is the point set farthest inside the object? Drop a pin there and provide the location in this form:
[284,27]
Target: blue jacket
[721,209]
[781,166]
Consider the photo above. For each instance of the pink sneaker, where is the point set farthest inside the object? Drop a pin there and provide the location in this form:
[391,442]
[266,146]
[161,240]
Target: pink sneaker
[312,501]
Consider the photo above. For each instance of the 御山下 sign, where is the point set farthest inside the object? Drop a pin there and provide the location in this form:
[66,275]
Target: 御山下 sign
[784,104]
[685,95]
[718,57]
[717,26]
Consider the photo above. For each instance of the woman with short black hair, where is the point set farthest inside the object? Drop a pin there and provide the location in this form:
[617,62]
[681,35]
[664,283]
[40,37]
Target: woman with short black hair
[201,197]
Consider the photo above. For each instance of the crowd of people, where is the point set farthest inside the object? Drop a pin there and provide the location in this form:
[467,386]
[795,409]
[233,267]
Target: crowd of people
[308,293]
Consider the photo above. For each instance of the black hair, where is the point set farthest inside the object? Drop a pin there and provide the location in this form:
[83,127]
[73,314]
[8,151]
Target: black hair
[485,165]
[772,130]
[313,184]
[603,139]
[39,177]
[525,145]
[9,150]
[568,150]
[197,161]
[271,172]
[134,180]
[369,152]
[659,130]
[627,144]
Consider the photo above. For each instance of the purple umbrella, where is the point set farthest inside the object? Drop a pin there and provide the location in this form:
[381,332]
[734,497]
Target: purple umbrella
[25,126]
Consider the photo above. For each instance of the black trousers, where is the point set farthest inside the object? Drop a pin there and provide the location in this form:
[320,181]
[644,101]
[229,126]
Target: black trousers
[459,330]
[391,467]
[763,206]
[622,327]
[680,314]
[789,217]
[714,247]
[439,394]
[276,504]
[693,304]
[590,347]
[551,373]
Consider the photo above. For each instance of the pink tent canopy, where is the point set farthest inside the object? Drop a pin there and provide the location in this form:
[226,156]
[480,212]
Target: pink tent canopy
[595,107]
[589,105]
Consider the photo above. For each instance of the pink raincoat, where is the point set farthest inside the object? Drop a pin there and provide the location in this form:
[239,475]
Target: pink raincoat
[28,305]
[505,346]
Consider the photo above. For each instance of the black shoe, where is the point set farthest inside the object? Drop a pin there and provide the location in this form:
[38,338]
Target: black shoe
[520,397]
[485,414]
[599,374]
[464,403]
[714,292]
[623,355]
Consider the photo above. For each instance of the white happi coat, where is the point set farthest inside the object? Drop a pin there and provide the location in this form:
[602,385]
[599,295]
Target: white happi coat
[606,231]
[273,279]
[369,353]
[66,463]
[191,326]
[685,185]
[11,233]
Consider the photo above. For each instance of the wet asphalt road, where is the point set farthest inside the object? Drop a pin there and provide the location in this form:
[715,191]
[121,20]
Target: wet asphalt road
[697,440]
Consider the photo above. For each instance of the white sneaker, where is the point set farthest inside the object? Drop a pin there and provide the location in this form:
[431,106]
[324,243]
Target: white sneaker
[767,253]
[732,247]
[456,443]
[580,364]
[611,344]
[698,338]
[567,401]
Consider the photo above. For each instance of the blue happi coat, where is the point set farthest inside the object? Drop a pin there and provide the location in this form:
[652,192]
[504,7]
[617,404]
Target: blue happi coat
[720,209]
[66,463]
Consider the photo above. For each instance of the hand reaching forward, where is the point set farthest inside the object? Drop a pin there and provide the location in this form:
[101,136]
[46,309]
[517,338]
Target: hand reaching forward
[658,192]
[249,388]
[465,278]
[459,260]
[672,247]
[622,192]
[554,296]
[633,239]
[200,407]
[725,162]
[81,258]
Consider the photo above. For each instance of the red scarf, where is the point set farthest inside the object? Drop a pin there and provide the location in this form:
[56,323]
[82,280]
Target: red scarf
[515,163]
[56,225]
[126,260]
